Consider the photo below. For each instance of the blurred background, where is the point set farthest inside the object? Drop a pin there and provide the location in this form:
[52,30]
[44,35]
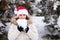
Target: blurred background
[44,13]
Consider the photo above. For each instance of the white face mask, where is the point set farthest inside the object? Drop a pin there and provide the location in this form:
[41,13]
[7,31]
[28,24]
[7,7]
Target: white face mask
[22,22]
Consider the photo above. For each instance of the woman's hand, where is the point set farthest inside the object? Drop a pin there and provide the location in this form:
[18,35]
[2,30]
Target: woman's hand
[29,21]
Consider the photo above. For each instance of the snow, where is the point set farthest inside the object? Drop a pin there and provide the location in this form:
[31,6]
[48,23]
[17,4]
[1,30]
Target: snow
[35,8]
[40,25]
[58,21]
[37,1]
[1,24]
[56,4]
[12,1]
[8,26]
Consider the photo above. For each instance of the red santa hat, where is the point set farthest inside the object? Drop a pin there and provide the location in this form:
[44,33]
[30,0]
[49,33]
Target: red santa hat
[21,10]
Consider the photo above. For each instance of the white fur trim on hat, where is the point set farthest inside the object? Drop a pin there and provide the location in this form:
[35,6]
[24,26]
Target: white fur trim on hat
[21,10]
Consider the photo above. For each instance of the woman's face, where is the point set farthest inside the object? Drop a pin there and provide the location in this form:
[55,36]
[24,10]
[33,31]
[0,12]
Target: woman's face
[22,16]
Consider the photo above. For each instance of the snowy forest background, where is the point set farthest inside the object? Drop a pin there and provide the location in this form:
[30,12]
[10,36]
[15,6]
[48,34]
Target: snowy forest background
[44,13]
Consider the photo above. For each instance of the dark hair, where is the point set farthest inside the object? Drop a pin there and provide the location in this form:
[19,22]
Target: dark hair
[27,18]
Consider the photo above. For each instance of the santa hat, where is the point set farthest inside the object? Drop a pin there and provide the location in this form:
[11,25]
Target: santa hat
[21,10]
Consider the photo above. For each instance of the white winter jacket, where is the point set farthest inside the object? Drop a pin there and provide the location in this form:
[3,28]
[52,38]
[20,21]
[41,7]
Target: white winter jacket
[14,34]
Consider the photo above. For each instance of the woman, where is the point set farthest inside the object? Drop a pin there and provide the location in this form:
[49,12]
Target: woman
[27,27]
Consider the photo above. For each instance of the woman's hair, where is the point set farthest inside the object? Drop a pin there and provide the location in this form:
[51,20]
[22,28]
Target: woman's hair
[27,18]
